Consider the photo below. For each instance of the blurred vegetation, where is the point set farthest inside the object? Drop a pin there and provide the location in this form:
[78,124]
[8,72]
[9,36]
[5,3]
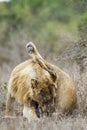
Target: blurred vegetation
[42,20]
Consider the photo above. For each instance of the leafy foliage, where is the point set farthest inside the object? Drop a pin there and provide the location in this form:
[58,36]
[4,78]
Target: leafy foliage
[42,20]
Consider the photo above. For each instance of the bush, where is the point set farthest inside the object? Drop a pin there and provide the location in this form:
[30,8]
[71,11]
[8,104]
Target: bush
[82,26]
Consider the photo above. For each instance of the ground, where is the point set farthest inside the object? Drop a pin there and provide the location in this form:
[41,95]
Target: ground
[73,60]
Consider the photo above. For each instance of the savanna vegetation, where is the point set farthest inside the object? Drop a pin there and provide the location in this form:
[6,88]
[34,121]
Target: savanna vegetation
[59,30]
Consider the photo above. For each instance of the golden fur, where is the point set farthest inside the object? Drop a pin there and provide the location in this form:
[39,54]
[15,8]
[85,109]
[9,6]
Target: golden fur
[38,85]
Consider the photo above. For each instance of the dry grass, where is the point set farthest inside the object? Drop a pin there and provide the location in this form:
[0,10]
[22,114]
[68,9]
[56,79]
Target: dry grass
[72,60]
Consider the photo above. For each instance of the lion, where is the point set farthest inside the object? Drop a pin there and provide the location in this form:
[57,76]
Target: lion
[40,86]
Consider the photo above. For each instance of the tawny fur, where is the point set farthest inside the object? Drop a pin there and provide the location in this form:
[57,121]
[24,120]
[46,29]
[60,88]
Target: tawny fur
[36,81]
